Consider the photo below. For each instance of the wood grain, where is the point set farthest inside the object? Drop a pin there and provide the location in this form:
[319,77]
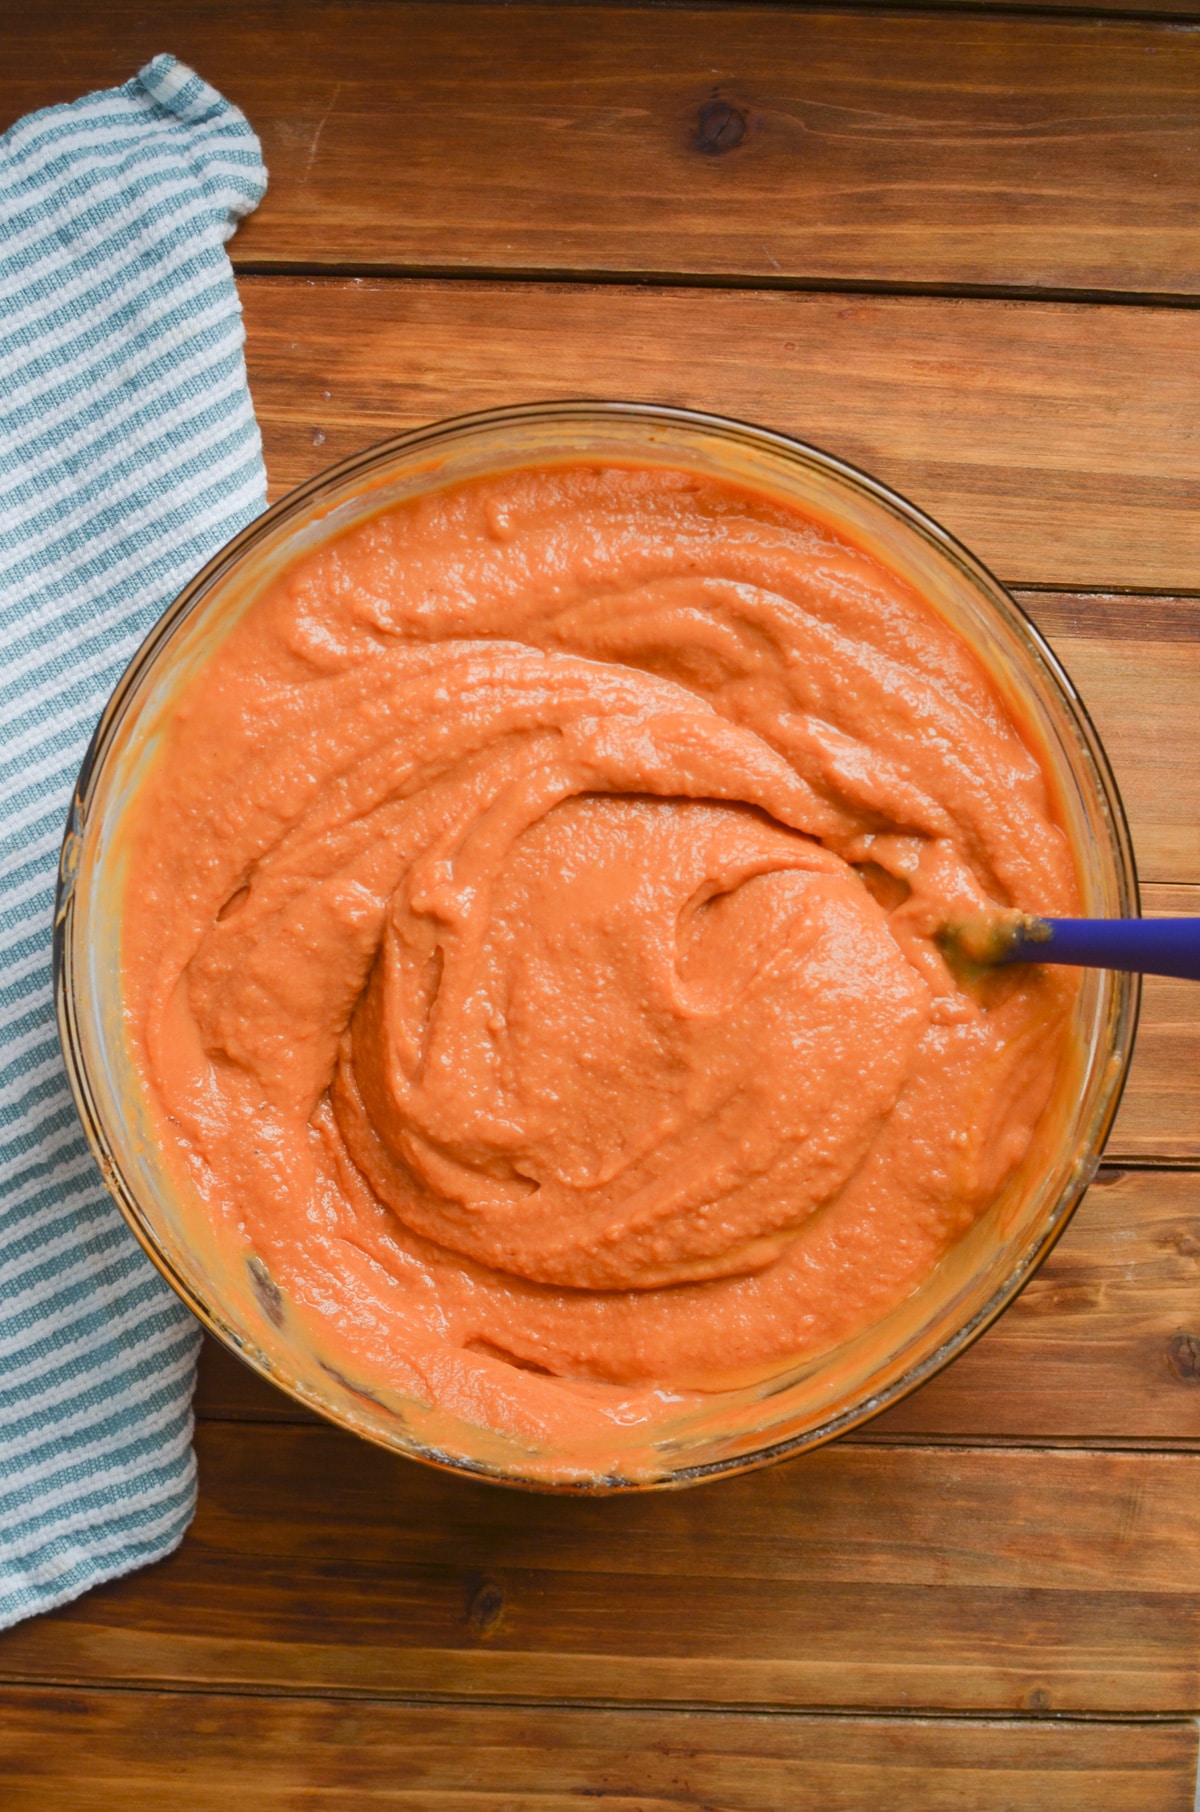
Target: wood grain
[174,1752]
[781,145]
[1058,441]
[997,1581]
[1136,664]
[1102,1346]
[1159,1116]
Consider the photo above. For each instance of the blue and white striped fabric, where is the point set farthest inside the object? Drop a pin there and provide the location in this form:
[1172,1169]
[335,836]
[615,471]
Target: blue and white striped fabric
[128,454]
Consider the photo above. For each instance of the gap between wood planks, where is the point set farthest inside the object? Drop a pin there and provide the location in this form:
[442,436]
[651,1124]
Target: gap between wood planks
[1154,12]
[668,1709]
[625,1708]
[688,279]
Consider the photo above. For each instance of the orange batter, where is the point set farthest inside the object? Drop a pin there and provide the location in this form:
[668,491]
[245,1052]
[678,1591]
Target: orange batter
[529,944]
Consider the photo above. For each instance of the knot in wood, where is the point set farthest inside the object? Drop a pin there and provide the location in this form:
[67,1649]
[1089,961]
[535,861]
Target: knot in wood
[486,1607]
[1183,1356]
[720,127]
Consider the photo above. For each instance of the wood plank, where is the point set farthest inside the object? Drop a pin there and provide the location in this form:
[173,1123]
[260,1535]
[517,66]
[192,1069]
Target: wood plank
[1102,1346]
[1136,663]
[776,144]
[1159,1117]
[1056,440]
[1160,1113]
[174,1752]
[861,1577]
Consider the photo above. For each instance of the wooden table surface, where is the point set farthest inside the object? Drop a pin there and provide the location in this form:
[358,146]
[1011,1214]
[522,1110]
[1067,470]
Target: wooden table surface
[961,247]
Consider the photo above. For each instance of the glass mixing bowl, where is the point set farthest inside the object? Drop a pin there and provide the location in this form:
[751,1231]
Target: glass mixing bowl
[734,1430]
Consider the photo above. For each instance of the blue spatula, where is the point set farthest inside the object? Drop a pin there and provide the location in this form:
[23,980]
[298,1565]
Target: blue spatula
[1145,946]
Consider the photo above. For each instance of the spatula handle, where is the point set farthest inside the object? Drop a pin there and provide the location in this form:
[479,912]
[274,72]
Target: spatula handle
[1146,946]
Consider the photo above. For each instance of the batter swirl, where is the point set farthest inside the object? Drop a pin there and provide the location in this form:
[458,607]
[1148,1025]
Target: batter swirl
[529,942]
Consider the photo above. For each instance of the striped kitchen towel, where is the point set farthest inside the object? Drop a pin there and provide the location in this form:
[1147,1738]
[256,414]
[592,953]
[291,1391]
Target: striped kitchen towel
[128,453]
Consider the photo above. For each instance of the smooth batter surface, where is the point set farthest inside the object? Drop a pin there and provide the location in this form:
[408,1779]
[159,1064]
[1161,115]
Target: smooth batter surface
[529,944]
